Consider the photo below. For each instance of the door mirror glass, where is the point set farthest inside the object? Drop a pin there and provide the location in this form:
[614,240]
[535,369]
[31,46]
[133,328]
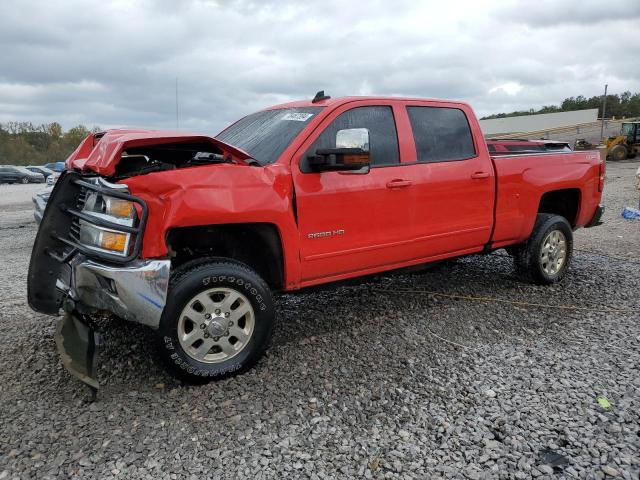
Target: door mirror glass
[350,154]
[353,138]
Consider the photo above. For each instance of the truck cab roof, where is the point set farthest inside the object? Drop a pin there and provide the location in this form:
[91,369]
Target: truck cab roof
[339,101]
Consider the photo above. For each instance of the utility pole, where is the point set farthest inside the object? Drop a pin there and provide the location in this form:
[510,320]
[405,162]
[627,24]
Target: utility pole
[604,108]
[177,116]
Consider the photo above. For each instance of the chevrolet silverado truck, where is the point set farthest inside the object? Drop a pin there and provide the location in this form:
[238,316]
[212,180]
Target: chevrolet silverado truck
[192,235]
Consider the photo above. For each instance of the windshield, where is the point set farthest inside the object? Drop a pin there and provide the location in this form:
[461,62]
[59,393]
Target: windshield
[627,128]
[264,135]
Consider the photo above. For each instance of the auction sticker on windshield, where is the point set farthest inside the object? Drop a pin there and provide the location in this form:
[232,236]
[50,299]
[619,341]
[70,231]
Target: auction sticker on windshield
[297,117]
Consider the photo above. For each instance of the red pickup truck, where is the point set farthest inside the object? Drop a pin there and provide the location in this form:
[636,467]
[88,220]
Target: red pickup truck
[190,234]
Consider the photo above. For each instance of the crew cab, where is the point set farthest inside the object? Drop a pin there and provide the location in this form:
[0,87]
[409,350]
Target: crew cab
[192,235]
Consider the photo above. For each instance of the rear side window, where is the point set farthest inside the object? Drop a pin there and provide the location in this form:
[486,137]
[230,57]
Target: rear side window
[441,134]
[383,138]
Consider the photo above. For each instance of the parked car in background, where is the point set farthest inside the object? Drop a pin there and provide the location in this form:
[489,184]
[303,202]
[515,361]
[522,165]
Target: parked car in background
[40,202]
[42,170]
[583,144]
[52,179]
[55,166]
[13,174]
[512,146]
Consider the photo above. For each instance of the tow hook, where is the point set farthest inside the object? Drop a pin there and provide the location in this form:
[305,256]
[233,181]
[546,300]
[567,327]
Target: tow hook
[78,345]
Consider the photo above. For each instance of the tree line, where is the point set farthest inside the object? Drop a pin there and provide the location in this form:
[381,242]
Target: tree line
[618,105]
[22,143]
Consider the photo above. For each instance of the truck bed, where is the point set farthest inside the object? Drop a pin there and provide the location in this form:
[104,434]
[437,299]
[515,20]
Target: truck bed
[523,179]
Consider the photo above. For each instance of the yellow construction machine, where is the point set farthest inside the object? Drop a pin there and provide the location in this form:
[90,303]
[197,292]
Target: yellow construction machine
[625,145]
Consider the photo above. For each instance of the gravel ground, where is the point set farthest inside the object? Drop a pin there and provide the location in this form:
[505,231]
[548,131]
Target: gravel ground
[362,381]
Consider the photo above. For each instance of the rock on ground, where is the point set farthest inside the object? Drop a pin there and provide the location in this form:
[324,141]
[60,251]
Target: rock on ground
[359,381]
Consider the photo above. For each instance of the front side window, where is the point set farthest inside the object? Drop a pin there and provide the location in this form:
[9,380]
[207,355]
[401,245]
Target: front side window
[441,134]
[383,138]
[265,135]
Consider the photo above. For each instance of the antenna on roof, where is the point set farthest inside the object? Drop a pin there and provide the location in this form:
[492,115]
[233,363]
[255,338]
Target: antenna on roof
[320,96]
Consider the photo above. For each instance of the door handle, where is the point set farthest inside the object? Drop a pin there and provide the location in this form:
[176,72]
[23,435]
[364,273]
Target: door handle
[399,183]
[478,175]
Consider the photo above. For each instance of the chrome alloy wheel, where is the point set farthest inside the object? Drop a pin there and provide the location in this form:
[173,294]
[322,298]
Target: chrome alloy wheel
[554,252]
[216,325]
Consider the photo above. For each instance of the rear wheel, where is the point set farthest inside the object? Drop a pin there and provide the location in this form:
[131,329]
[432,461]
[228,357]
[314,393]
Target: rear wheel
[546,255]
[25,180]
[617,153]
[217,322]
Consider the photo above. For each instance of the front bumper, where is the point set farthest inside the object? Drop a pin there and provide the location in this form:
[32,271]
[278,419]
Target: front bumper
[66,276]
[136,292]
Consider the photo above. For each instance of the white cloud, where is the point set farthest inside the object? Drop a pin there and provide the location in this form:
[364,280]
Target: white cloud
[113,63]
[510,88]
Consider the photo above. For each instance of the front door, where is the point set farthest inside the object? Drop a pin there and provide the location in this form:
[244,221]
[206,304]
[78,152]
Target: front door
[353,222]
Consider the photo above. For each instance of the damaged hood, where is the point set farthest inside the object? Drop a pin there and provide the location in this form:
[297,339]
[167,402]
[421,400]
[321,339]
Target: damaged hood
[101,152]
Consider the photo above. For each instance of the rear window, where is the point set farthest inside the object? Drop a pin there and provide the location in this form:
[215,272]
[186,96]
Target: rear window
[525,148]
[265,135]
[441,134]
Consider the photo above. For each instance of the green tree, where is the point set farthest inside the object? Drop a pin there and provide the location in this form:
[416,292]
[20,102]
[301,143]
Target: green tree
[621,105]
[23,143]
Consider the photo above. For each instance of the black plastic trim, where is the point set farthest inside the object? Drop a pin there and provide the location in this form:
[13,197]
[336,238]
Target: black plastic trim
[101,222]
[595,221]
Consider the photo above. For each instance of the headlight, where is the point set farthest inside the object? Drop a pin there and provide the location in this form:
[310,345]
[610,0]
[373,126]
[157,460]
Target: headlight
[104,239]
[114,210]
[119,208]
[110,208]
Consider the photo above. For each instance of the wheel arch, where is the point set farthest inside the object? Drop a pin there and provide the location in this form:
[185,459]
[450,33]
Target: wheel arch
[257,245]
[564,202]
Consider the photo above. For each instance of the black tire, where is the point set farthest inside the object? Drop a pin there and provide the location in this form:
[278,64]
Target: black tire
[527,258]
[25,181]
[194,278]
[618,152]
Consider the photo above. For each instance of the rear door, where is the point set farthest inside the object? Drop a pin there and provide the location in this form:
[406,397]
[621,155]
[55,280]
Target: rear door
[455,184]
[353,222]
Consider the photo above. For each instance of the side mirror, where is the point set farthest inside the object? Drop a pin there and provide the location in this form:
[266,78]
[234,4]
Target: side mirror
[351,153]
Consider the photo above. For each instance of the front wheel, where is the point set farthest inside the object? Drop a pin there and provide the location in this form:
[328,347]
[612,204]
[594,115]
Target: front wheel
[25,180]
[545,257]
[217,322]
[618,153]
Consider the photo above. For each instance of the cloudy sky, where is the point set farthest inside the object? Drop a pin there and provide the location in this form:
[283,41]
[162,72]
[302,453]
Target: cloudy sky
[115,63]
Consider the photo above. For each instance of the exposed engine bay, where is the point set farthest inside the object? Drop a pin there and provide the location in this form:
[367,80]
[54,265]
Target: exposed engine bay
[155,158]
